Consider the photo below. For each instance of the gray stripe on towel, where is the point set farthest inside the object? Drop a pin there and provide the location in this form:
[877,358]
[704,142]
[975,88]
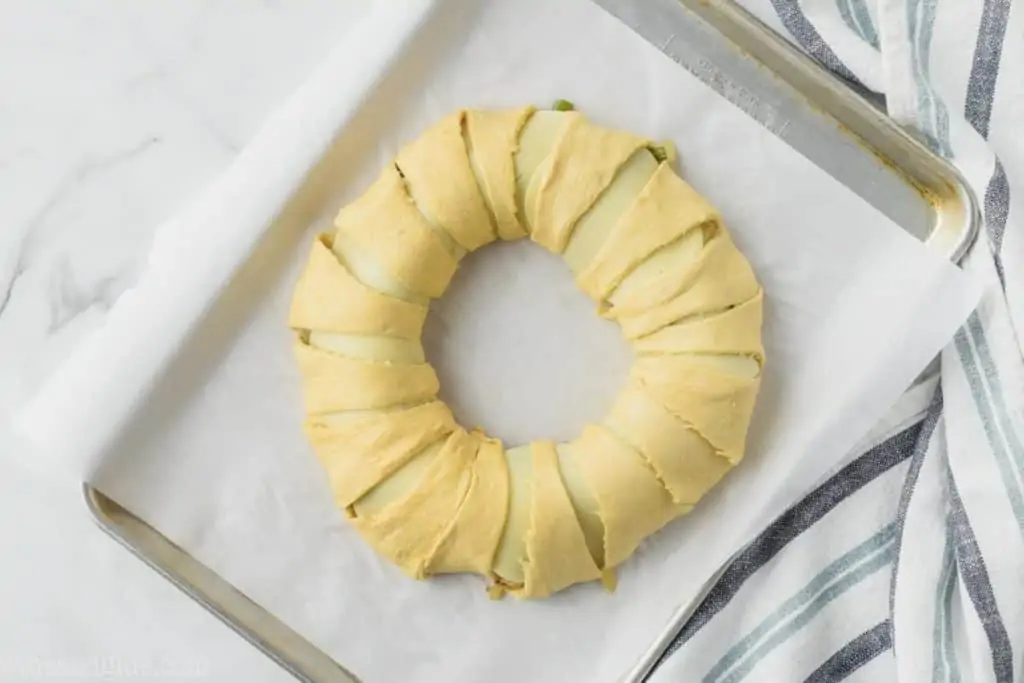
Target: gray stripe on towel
[974,574]
[988,51]
[803,31]
[981,88]
[854,654]
[795,521]
[910,483]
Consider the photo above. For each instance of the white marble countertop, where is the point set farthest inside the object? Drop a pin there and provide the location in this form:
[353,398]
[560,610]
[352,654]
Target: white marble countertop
[112,115]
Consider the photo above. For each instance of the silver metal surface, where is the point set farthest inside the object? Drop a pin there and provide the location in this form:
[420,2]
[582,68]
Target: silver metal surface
[735,54]
[814,112]
[292,652]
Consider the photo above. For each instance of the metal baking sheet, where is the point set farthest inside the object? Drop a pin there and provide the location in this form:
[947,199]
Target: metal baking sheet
[841,131]
[292,652]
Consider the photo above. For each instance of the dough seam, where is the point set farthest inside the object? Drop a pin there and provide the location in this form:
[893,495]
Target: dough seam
[435,517]
[412,454]
[758,358]
[521,207]
[654,468]
[708,228]
[644,458]
[470,476]
[543,178]
[467,145]
[571,230]
[692,427]
[455,249]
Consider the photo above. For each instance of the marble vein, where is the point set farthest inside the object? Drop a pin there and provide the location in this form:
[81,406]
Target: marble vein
[159,76]
[20,255]
[68,299]
[9,287]
[86,169]
[91,167]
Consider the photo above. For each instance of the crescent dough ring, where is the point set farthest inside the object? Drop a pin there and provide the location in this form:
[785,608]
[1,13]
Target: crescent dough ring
[654,256]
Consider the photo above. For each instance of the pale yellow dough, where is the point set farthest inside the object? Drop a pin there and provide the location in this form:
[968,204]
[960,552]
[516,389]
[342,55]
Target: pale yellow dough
[654,256]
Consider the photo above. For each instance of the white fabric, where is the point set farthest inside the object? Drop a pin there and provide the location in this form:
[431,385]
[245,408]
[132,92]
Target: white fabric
[949,605]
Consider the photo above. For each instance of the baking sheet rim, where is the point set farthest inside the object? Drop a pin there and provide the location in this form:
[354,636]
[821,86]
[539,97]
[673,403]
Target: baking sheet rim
[952,240]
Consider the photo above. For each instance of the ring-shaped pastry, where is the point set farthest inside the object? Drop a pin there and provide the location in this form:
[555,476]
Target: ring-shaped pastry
[434,497]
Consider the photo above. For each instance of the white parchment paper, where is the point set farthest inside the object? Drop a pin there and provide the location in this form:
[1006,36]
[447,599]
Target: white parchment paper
[215,459]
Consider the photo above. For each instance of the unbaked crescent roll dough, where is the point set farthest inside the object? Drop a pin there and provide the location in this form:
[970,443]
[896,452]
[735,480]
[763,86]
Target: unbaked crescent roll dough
[654,256]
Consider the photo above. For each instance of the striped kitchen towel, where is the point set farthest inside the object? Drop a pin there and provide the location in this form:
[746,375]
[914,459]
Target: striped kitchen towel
[907,564]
